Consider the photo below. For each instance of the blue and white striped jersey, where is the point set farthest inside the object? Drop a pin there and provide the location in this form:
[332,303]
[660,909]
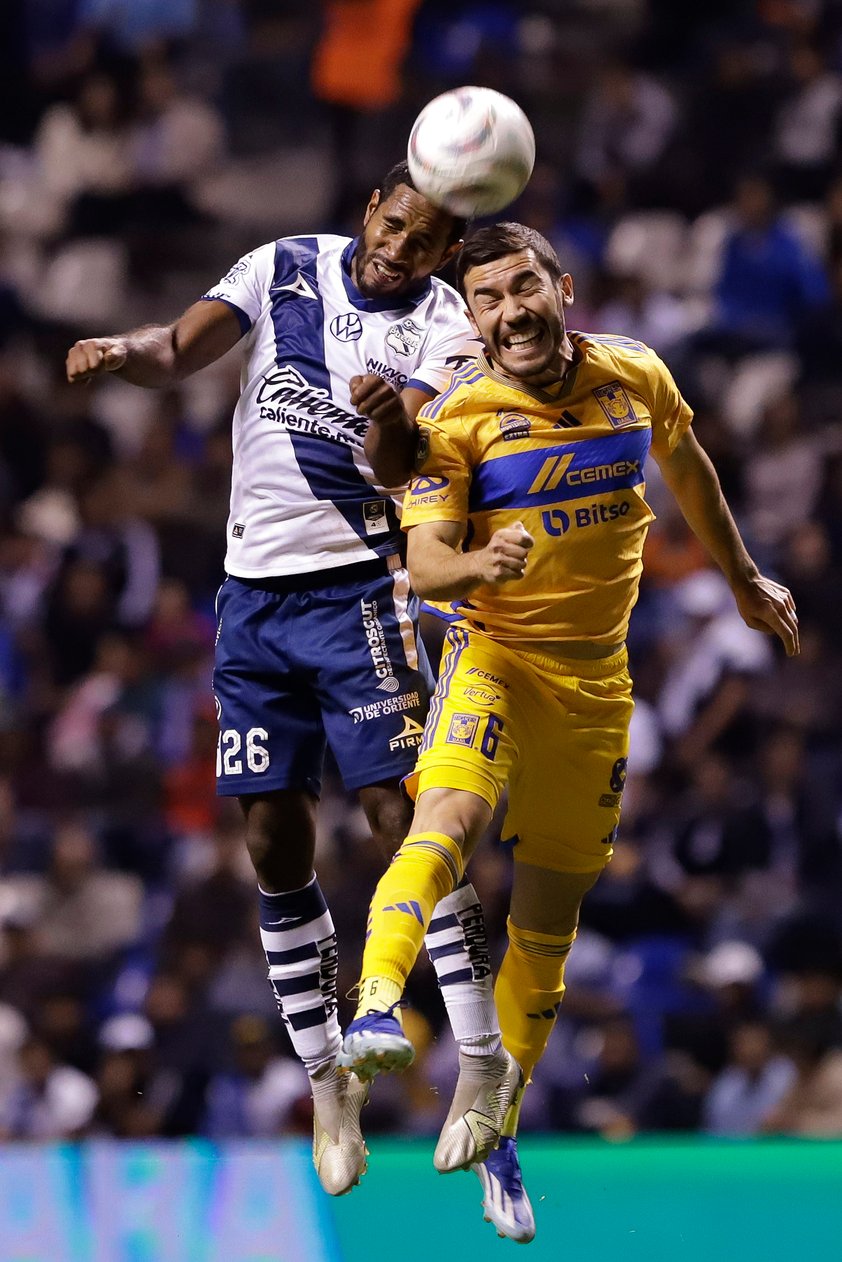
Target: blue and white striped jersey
[303,495]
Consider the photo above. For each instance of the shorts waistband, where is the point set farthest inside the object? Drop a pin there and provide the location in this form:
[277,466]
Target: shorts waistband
[584,668]
[357,572]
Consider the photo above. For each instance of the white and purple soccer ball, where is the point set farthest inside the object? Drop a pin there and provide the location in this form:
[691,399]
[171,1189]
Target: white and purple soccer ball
[471,151]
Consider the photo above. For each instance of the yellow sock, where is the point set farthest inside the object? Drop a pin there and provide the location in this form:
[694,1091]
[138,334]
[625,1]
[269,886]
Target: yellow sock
[427,866]
[528,992]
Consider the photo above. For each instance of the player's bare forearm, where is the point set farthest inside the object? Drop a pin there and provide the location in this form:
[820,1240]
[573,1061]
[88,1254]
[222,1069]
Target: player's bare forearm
[440,570]
[158,355]
[763,604]
[691,477]
[391,438]
[390,450]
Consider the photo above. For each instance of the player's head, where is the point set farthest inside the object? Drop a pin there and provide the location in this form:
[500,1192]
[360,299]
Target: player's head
[516,293]
[404,239]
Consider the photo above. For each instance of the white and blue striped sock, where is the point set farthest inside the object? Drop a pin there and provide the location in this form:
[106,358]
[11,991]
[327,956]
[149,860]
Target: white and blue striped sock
[299,939]
[457,944]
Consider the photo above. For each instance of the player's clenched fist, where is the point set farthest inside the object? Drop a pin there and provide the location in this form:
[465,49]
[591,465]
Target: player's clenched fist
[95,355]
[504,556]
[375,398]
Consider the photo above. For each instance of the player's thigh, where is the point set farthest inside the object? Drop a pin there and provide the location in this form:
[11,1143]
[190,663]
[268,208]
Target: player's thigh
[371,675]
[547,901]
[270,728]
[471,737]
[566,793]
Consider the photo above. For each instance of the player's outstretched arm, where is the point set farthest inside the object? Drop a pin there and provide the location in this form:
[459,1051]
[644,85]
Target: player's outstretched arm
[439,570]
[763,604]
[159,355]
[391,439]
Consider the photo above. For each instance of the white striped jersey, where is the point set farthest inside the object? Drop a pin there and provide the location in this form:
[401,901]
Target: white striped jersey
[303,495]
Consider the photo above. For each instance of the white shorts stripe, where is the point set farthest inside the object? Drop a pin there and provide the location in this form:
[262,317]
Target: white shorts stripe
[400,579]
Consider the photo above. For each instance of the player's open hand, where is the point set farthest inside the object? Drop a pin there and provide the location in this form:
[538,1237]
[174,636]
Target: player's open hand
[768,606]
[375,398]
[504,557]
[93,356]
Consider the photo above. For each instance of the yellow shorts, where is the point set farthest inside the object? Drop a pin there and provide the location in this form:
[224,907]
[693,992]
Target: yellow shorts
[556,732]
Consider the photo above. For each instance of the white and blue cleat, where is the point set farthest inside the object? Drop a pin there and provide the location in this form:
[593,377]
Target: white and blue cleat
[505,1202]
[375,1043]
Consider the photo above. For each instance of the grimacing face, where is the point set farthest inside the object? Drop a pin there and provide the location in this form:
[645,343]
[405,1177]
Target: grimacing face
[404,240]
[517,308]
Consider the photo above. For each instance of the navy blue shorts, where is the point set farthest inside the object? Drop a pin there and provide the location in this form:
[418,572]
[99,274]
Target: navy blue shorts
[305,660]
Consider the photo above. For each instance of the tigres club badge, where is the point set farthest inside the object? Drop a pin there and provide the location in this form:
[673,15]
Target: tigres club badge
[422,447]
[616,404]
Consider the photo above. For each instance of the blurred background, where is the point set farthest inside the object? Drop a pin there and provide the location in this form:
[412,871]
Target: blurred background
[689,174]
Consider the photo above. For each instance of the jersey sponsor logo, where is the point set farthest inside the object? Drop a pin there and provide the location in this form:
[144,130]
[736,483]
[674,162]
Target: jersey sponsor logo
[404,338]
[347,327]
[556,469]
[462,730]
[550,474]
[238,530]
[300,286]
[409,736]
[556,522]
[313,410]
[374,517]
[487,676]
[376,637]
[392,375]
[389,705]
[481,696]
[514,425]
[616,404]
[426,490]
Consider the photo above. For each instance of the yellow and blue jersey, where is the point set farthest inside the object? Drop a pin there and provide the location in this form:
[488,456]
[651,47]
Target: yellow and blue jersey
[570,466]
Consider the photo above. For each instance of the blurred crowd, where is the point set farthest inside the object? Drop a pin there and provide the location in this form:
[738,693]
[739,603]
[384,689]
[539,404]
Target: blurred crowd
[690,175]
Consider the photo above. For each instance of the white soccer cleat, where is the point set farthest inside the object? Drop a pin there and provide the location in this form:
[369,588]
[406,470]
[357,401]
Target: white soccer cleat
[341,1163]
[486,1088]
[504,1202]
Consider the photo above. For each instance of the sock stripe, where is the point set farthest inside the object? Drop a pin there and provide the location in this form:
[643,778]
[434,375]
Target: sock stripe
[306,1020]
[307,952]
[439,923]
[312,930]
[439,850]
[454,979]
[449,948]
[286,986]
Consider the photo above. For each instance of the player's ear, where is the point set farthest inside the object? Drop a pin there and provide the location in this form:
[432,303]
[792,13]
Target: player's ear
[373,203]
[474,324]
[451,252]
[566,287]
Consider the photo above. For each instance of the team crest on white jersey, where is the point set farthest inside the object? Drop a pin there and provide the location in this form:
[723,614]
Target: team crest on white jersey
[404,338]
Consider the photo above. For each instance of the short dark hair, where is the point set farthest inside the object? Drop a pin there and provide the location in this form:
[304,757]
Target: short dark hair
[495,242]
[399,174]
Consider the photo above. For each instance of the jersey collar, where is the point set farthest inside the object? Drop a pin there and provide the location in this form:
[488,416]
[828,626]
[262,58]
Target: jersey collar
[535,392]
[412,298]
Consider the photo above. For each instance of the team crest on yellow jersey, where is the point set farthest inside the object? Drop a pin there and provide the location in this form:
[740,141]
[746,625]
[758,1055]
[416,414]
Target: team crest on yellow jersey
[463,729]
[616,404]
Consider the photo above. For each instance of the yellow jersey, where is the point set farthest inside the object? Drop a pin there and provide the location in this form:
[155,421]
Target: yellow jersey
[570,466]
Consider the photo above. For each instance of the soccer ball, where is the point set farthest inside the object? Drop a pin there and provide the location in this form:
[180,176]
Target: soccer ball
[471,151]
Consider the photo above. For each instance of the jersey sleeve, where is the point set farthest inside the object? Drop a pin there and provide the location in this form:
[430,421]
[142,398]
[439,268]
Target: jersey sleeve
[671,414]
[449,344]
[439,490]
[244,287]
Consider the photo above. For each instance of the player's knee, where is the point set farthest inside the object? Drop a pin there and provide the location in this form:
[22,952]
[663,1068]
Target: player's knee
[462,816]
[280,840]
